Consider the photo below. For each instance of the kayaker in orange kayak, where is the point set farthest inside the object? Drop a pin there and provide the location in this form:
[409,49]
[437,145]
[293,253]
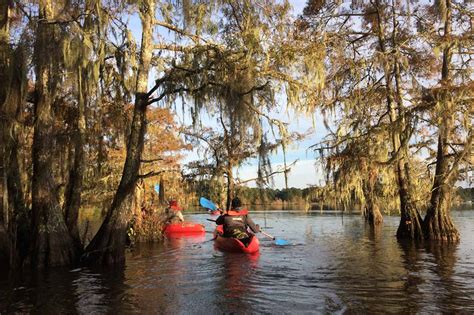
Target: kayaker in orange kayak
[173,212]
[236,221]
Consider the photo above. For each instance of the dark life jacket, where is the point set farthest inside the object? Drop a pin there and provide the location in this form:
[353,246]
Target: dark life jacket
[236,220]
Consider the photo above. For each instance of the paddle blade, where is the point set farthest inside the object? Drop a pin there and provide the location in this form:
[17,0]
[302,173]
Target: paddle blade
[157,188]
[281,242]
[207,204]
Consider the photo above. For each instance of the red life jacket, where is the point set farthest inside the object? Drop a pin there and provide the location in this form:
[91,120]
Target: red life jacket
[236,213]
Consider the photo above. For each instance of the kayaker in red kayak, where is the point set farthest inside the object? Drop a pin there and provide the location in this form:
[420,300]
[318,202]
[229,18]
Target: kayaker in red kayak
[236,221]
[173,212]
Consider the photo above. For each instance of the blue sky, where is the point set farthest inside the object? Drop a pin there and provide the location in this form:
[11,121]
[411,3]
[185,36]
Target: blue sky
[305,172]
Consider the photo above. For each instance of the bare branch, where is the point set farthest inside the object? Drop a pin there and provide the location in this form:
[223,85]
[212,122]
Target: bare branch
[152,160]
[173,28]
[287,169]
[73,19]
[153,174]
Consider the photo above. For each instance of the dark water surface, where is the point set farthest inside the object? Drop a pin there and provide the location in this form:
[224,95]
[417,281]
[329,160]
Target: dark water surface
[335,264]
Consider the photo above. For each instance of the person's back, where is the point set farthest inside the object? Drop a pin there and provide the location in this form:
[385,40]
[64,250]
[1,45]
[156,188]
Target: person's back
[173,212]
[236,221]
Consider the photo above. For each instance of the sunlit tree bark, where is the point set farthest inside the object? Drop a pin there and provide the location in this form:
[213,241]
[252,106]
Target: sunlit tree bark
[52,244]
[410,219]
[82,70]
[76,173]
[371,209]
[108,246]
[438,223]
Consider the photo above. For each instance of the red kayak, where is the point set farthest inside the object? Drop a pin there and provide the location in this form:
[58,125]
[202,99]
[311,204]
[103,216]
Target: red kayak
[230,244]
[215,212]
[183,228]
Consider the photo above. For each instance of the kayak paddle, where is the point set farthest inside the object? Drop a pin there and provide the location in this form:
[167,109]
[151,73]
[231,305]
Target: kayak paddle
[278,241]
[207,204]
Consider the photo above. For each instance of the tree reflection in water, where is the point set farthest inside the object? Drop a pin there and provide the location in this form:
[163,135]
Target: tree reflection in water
[331,267]
[449,292]
[238,281]
[102,291]
[413,278]
[162,280]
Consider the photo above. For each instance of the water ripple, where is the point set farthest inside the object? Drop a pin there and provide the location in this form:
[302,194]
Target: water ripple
[333,266]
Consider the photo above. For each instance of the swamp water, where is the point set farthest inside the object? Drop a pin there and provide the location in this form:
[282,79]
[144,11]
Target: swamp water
[335,264]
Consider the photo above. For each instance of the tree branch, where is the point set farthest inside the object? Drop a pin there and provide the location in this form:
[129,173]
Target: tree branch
[287,169]
[153,174]
[173,28]
[177,90]
[152,160]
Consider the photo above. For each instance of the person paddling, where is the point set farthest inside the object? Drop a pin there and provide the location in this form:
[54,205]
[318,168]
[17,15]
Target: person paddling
[236,221]
[173,212]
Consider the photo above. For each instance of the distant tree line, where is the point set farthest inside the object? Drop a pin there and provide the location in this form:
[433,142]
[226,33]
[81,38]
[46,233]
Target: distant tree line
[310,196]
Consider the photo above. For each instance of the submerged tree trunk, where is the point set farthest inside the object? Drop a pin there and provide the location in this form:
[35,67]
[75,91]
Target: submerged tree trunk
[410,220]
[5,54]
[371,210]
[410,226]
[12,95]
[437,223]
[76,173]
[52,244]
[372,214]
[108,246]
[19,224]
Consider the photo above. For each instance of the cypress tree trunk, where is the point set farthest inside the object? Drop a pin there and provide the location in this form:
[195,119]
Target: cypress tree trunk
[18,222]
[108,245]
[410,226]
[161,194]
[18,225]
[410,220]
[76,173]
[4,79]
[230,184]
[4,65]
[437,223]
[12,94]
[372,212]
[52,244]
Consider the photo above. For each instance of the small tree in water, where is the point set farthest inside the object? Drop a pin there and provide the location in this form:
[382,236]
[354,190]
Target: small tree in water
[450,112]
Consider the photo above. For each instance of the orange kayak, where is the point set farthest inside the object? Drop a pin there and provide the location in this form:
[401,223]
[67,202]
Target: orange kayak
[183,228]
[230,244]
